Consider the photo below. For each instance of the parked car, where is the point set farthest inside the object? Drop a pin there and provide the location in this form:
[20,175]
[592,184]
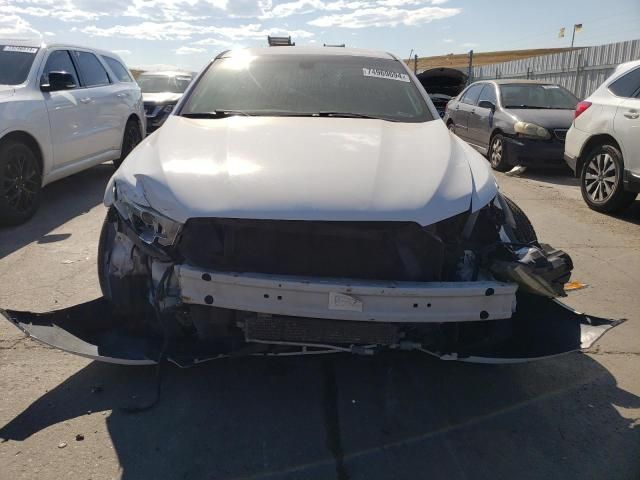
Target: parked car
[514,122]
[440,101]
[63,109]
[278,214]
[161,92]
[603,144]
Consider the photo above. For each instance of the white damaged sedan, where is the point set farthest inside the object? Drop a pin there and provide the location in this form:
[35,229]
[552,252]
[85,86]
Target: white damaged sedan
[305,200]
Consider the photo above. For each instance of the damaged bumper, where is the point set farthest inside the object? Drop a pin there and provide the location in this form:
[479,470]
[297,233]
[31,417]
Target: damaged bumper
[539,328]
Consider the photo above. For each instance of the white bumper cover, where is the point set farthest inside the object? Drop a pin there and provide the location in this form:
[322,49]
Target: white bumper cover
[348,299]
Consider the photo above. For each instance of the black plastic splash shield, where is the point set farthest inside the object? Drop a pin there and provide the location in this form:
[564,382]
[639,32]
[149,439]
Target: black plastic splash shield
[540,328]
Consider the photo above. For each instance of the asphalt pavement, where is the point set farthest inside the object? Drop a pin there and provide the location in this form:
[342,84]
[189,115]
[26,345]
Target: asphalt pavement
[401,416]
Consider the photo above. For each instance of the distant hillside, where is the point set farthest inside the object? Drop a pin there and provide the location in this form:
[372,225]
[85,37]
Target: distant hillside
[460,60]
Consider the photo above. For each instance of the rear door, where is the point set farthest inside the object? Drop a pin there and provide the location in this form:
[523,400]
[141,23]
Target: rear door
[69,114]
[101,97]
[626,123]
[463,109]
[480,121]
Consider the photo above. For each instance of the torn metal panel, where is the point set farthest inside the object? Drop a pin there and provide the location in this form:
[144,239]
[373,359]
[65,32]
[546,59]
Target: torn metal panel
[540,328]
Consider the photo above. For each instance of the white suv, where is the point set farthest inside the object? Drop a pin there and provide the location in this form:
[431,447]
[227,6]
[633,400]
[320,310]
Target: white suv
[603,145]
[62,109]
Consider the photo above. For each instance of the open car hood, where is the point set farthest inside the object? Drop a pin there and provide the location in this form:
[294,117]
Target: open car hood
[540,328]
[301,168]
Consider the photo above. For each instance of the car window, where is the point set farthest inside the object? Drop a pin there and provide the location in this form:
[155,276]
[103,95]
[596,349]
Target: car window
[163,83]
[626,85]
[471,95]
[536,95]
[59,61]
[309,85]
[488,94]
[15,63]
[92,72]
[120,71]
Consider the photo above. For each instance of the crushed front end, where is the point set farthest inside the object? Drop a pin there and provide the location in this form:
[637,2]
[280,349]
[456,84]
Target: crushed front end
[477,286]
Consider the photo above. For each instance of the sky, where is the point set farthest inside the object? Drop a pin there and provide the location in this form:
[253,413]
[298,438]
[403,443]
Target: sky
[188,33]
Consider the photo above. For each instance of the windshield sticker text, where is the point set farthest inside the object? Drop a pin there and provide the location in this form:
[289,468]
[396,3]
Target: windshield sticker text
[374,72]
[11,48]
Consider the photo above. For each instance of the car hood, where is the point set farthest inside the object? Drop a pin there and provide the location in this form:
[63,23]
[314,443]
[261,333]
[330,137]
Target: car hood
[162,97]
[544,118]
[292,168]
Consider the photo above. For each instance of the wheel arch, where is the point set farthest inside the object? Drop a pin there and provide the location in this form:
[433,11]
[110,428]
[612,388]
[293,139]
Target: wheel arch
[590,144]
[30,141]
[495,131]
[136,119]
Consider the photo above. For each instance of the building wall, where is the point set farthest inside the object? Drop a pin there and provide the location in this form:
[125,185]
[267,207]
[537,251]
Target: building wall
[581,70]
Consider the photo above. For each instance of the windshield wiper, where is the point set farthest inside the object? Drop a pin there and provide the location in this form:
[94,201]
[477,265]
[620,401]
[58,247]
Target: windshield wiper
[350,115]
[217,114]
[223,113]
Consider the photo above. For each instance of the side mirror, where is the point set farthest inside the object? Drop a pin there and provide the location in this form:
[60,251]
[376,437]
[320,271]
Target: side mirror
[59,81]
[487,104]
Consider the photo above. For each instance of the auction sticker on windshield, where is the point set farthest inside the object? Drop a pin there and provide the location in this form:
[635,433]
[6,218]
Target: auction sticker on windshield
[11,48]
[375,72]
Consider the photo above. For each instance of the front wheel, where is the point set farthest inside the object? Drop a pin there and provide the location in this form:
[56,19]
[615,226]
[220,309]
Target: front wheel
[20,183]
[601,180]
[132,137]
[497,153]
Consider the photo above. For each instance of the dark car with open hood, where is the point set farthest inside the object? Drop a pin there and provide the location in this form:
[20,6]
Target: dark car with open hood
[514,122]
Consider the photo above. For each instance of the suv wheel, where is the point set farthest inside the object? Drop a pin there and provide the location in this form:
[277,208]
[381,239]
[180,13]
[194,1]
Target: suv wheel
[497,154]
[601,180]
[132,137]
[20,182]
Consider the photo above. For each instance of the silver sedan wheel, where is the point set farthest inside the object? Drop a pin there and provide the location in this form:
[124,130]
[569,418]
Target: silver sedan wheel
[496,151]
[601,178]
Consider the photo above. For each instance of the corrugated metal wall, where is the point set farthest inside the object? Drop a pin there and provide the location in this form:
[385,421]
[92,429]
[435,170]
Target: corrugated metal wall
[580,71]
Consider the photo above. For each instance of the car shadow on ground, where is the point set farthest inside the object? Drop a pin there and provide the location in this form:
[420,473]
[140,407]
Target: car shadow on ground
[392,416]
[555,176]
[61,201]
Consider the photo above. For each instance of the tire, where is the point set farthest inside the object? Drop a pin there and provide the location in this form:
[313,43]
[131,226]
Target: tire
[525,233]
[132,137]
[107,236]
[452,127]
[497,155]
[127,294]
[601,180]
[20,182]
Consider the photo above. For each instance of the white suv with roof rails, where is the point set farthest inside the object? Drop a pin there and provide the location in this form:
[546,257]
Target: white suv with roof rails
[603,145]
[63,109]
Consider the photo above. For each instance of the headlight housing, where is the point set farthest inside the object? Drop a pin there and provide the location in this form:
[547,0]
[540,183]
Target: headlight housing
[531,130]
[150,225]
